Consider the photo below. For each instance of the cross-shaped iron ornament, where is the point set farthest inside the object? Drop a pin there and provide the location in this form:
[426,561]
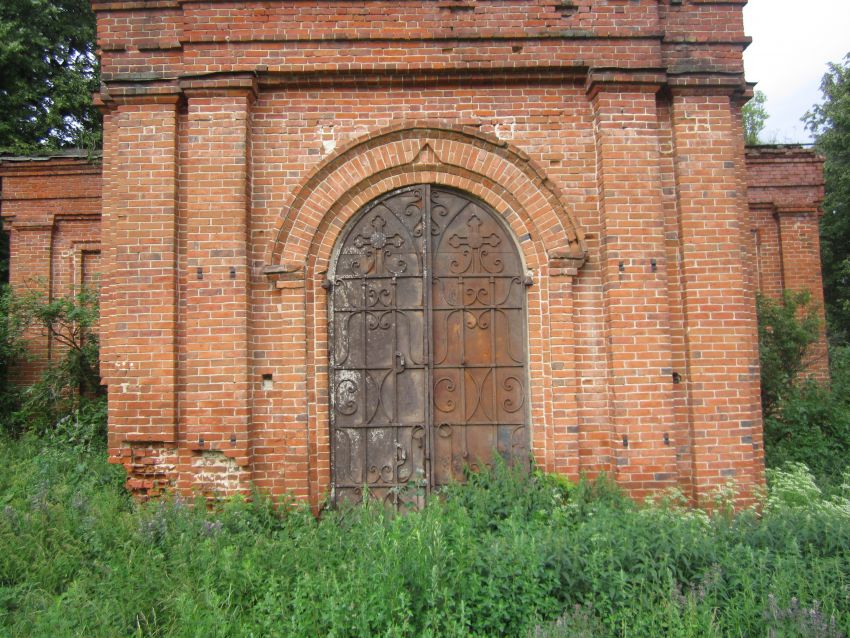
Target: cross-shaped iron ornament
[378,240]
[474,239]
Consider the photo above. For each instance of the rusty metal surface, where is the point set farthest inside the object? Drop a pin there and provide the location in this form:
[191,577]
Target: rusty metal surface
[427,356]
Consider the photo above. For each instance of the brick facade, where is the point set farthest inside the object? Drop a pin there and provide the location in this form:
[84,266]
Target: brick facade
[785,194]
[240,137]
[51,210]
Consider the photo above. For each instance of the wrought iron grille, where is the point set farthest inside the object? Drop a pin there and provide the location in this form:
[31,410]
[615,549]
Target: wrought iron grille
[427,346]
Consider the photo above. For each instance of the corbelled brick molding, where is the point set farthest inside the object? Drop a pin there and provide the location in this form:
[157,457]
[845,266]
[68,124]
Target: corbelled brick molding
[244,139]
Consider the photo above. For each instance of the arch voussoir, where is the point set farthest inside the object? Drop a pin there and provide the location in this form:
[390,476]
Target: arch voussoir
[502,176]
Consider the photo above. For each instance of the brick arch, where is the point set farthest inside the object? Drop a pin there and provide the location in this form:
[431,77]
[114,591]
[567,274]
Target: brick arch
[318,254]
[499,174]
[324,238]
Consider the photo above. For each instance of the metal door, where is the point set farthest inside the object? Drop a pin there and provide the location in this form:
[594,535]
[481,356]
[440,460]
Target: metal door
[427,346]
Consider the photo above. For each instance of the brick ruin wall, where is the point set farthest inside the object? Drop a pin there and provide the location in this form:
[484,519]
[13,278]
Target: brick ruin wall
[240,137]
[785,191]
[51,210]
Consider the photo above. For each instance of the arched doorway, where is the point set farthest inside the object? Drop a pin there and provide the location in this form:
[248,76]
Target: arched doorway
[428,365]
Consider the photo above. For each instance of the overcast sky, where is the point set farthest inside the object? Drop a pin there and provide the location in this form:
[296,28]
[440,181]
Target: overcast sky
[793,41]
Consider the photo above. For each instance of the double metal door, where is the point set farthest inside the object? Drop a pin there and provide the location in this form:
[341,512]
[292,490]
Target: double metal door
[428,374]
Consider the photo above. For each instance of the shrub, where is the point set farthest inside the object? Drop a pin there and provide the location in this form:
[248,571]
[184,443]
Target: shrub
[811,425]
[786,330]
[83,429]
[72,379]
[804,421]
[12,349]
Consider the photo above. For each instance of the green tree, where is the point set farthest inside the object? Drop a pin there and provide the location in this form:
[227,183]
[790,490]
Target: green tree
[786,330]
[71,380]
[830,124]
[12,349]
[48,71]
[755,116]
[4,255]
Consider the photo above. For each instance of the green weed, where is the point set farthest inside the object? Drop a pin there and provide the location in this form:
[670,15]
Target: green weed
[509,554]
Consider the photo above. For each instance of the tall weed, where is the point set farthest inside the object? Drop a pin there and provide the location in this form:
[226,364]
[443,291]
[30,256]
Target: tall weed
[812,425]
[509,554]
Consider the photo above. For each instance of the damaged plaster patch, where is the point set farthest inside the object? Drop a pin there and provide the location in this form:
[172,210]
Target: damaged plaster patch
[215,473]
[505,128]
[327,137]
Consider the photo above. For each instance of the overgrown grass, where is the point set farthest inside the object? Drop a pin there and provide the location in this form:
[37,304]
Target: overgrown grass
[812,425]
[507,555]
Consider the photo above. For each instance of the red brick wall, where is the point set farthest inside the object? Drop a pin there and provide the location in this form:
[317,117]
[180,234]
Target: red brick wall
[785,194]
[51,210]
[240,137]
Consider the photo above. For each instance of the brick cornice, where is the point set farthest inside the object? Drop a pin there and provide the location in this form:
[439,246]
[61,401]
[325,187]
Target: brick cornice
[49,167]
[771,153]
[23,226]
[713,83]
[220,85]
[119,94]
[423,77]
[796,210]
[621,80]
[135,5]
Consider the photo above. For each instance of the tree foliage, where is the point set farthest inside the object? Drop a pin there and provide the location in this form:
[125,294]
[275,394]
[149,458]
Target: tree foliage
[71,379]
[4,256]
[12,349]
[48,71]
[755,116]
[830,124]
[786,330]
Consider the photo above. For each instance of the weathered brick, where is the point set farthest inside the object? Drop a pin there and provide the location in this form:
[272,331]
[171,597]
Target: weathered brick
[241,136]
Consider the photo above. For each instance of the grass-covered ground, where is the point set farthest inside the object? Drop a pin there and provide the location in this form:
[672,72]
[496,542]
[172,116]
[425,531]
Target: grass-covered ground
[507,556]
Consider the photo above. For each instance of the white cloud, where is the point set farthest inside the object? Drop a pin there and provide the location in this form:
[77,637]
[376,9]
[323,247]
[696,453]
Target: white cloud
[792,43]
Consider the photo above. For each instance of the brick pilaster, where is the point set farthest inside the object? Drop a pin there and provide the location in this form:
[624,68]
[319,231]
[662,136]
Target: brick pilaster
[634,268]
[29,272]
[565,436]
[215,408]
[799,239]
[718,307]
[139,296]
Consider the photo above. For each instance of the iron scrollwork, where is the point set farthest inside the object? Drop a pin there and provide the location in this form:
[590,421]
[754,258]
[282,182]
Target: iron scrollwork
[427,348]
